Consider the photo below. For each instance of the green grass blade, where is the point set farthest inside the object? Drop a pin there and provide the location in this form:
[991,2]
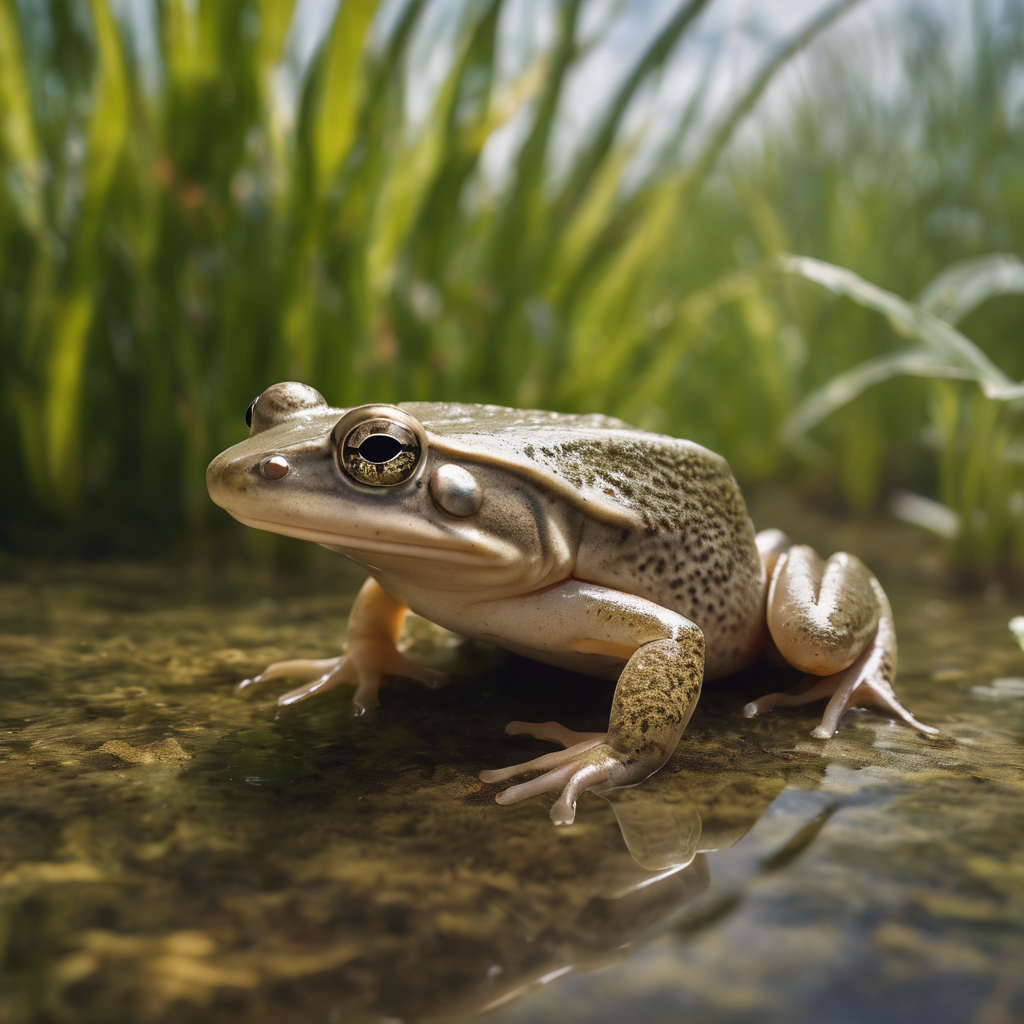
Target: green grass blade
[956,351]
[22,208]
[275,18]
[679,326]
[653,58]
[685,186]
[340,99]
[719,139]
[414,172]
[966,284]
[19,147]
[73,316]
[512,232]
[845,387]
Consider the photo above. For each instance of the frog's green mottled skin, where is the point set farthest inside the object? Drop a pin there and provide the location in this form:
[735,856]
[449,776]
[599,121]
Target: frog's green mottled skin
[584,542]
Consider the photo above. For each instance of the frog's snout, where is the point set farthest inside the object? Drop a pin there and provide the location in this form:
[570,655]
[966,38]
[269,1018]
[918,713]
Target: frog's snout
[226,476]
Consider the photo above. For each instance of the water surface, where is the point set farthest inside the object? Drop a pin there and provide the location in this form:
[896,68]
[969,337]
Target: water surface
[171,851]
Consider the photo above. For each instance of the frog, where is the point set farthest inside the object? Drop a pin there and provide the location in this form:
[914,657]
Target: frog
[573,539]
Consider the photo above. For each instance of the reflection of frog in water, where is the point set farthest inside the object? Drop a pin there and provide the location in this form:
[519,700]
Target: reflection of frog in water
[640,888]
[575,540]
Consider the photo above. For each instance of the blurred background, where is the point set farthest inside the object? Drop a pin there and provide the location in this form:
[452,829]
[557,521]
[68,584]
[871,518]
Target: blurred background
[583,205]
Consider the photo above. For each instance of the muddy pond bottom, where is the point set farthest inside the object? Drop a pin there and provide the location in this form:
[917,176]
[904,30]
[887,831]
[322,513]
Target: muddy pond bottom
[172,851]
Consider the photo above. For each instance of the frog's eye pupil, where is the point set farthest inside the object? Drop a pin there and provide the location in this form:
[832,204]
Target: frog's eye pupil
[380,448]
[248,412]
[380,452]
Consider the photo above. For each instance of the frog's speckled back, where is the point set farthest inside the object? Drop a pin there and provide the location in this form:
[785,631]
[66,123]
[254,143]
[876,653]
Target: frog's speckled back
[609,468]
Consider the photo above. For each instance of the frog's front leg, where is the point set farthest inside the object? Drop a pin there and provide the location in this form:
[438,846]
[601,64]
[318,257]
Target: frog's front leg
[656,692]
[833,621]
[370,654]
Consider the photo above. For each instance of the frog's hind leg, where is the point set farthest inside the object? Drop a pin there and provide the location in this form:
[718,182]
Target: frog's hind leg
[832,620]
[654,699]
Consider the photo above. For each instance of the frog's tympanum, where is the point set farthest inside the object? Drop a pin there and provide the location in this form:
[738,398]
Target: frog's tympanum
[575,540]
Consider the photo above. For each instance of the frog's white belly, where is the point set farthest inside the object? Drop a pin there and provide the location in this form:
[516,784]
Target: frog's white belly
[580,626]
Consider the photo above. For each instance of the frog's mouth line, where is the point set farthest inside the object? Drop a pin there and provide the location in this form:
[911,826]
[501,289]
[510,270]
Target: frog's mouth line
[366,544]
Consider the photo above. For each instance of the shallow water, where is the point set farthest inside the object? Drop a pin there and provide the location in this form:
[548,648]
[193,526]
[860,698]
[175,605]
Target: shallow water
[171,851]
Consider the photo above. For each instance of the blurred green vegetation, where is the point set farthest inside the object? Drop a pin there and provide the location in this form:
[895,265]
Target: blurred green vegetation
[172,244]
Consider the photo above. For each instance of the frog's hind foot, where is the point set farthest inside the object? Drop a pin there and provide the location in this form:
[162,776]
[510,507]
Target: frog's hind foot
[832,620]
[847,689]
[583,764]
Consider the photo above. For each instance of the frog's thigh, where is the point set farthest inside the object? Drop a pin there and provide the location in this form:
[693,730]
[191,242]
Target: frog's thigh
[833,620]
[654,698]
[821,614]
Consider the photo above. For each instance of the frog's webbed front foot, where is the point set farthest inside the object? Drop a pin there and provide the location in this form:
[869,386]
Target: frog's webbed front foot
[581,765]
[363,666]
[655,696]
[371,654]
[832,620]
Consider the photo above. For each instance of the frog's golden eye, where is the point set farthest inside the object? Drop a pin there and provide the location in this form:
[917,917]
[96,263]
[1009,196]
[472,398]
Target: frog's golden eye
[380,452]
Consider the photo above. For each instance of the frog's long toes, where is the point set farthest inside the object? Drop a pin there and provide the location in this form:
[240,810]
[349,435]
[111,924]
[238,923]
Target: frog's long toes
[591,775]
[330,680]
[397,664]
[556,759]
[573,778]
[307,669]
[802,693]
[866,692]
[365,700]
[853,687]
[580,767]
[437,680]
[546,783]
[552,731]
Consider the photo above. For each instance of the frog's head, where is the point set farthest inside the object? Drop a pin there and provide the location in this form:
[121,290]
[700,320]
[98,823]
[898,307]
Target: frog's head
[374,483]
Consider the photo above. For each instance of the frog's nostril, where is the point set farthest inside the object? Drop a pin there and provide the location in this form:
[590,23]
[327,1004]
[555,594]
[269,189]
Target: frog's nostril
[275,467]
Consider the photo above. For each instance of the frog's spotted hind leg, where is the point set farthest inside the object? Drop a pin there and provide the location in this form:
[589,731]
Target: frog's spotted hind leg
[833,620]
[373,628]
[655,696]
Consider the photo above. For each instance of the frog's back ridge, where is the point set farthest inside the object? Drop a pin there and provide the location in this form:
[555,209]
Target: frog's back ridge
[603,463]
